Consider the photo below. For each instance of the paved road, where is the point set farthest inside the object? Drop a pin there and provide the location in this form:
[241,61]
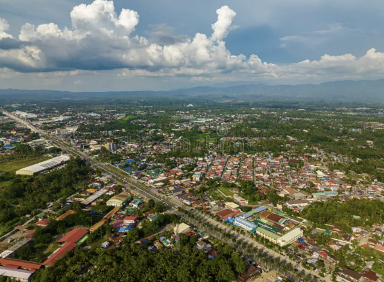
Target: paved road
[150,193]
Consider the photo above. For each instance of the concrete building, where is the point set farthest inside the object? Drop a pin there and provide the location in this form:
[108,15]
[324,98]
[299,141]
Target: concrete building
[44,166]
[111,146]
[272,237]
[290,237]
[245,224]
[297,203]
[131,220]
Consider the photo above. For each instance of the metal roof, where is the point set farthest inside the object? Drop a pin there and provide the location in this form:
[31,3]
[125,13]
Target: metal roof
[39,167]
[73,236]
[254,211]
[247,223]
[15,273]
[93,197]
[119,199]
[20,263]
[291,235]
[60,253]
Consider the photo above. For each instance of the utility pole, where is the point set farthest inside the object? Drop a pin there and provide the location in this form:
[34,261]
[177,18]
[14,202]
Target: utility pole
[177,235]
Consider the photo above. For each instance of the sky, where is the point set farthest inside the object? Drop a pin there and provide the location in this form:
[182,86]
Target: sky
[125,45]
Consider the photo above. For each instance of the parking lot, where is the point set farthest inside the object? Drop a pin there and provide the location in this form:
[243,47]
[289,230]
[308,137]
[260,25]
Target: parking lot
[12,240]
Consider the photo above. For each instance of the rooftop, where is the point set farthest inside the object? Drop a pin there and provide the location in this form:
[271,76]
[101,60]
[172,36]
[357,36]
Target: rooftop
[60,253]
[46,164]
[19,274]
[20,263]
[73,236]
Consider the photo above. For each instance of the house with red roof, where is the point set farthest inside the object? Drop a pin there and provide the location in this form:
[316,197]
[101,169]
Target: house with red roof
[131,220]
[42,223]
[323,254]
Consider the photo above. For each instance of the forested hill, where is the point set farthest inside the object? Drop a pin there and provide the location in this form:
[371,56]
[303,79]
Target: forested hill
[363,91]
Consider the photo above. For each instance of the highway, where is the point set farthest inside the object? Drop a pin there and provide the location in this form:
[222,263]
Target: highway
[171,202]
[107,168]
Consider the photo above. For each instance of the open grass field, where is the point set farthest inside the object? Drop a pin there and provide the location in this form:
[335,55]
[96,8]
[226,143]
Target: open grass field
[226,191]
[11,165]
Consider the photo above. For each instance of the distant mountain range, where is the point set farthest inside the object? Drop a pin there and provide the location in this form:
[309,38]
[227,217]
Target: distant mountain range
[363,91]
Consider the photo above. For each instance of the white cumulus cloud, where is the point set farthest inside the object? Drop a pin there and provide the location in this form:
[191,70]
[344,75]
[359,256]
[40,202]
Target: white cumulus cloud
[99,38]
[224,22]
[4,26]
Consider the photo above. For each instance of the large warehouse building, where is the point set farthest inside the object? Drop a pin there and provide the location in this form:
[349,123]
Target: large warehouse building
[44,166]
[119,200]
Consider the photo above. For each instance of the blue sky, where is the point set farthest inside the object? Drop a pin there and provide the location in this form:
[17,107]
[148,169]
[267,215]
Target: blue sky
[137,45]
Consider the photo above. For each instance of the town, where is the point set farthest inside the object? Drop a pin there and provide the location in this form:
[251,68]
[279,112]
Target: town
[156,178]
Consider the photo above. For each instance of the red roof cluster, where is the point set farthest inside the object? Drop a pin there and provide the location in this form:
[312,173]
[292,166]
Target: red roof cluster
[224,214]
[43,222]
[70,239]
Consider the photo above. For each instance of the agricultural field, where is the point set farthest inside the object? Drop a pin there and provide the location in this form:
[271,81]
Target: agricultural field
[12,164]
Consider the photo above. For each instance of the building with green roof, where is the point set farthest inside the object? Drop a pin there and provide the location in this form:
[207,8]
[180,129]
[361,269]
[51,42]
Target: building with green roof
[266,226]
[327,232]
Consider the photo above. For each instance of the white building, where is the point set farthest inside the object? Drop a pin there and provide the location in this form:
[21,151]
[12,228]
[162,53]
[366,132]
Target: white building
[245,224]
[297,203]
[16,274]
[44,166]
[290,237]
[111,146]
